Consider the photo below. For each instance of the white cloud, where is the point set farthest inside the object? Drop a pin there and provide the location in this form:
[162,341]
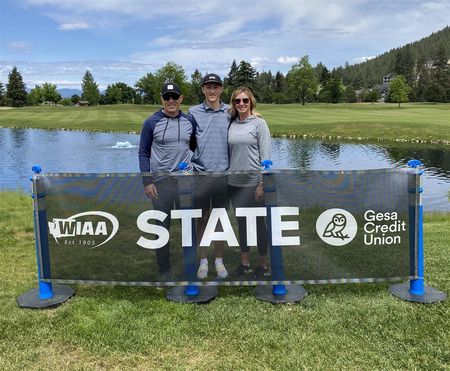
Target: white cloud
[20,47]
[70,74]
[73,26]
[208,35]
[362,59]
[288,60]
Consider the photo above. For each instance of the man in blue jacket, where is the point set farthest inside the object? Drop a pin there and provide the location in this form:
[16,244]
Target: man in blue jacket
[166,141]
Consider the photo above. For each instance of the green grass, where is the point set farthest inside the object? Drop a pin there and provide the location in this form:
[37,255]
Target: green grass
[411,122]
[355,326]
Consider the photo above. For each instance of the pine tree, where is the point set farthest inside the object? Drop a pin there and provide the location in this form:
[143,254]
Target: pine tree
[265,84]
[15,89]
[332,91]
[322,73]
[196,84]
[404,64]
[230,80]
[280,89]
[90,89]
[423,82]
[441,76]
[246,76]
[2,94]
[350,94]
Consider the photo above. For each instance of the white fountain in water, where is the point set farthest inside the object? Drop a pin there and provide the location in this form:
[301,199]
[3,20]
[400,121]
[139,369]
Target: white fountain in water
[126,144]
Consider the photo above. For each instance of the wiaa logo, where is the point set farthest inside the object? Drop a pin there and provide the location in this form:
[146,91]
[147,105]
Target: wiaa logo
[86,226]
[336,227]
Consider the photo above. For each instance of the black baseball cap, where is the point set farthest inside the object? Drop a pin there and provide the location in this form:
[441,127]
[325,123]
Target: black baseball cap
[170,87]
[212,78]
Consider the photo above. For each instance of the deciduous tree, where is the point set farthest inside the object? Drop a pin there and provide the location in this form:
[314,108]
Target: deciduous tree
[50,93]
[302,80]
[372,96]
[146,87]
[36,96]
[399,90]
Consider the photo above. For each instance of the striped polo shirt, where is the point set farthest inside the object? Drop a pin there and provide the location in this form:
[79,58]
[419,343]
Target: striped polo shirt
[211,132]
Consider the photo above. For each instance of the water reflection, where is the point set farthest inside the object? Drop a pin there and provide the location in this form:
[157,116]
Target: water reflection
[64,151]
[436,159]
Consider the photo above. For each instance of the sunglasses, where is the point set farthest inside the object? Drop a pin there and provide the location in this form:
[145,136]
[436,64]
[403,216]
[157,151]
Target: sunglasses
[167,96]
[244,100]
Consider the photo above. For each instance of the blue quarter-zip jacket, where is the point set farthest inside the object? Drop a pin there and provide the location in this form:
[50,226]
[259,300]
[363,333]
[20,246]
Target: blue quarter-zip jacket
[165,142]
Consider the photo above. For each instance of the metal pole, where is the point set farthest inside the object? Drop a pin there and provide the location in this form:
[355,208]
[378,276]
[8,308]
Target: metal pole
[417,285]
[40,220]
[279,293]
[190,293]
[416,290]
[46,295]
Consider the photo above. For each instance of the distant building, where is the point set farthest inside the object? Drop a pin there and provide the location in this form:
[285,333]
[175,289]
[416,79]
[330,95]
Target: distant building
[388,78]
[83,103]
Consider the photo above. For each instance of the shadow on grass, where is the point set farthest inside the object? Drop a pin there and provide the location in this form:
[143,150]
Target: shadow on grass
[139,294]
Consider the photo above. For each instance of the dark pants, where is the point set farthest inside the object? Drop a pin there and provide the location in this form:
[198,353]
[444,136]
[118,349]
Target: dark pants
[167,200]
[211,192]
[245,197]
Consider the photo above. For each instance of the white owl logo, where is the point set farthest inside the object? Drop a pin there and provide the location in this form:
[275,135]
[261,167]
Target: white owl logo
[336,226]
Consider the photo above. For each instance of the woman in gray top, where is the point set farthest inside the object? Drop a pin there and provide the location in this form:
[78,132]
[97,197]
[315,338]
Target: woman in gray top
[248,143]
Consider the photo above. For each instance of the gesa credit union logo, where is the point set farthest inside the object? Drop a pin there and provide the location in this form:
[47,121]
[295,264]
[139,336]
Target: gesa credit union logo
[90,228]
[336,227]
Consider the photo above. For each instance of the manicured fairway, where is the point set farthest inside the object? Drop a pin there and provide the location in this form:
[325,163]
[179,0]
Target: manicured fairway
[351,327]
[411,122]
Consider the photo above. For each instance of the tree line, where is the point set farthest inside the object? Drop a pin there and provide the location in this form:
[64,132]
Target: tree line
[415,77]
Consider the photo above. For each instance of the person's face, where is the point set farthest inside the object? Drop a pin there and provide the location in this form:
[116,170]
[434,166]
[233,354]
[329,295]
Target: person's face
[212,92]
[242,104]
[171,103]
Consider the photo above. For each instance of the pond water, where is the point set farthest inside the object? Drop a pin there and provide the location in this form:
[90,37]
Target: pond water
[83,152]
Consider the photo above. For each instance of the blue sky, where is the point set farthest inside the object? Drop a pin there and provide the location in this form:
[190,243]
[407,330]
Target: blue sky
[121,40]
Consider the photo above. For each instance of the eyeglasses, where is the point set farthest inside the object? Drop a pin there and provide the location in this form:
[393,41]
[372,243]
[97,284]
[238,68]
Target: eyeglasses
[244,100]
[167,96]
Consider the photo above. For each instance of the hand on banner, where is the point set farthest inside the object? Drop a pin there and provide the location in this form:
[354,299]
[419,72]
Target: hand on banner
[259,192]
[151,191]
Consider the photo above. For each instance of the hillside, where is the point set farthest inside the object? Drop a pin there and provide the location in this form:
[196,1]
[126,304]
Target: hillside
[414,54]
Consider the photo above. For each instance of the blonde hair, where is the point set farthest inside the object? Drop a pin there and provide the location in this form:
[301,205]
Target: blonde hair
[242,89]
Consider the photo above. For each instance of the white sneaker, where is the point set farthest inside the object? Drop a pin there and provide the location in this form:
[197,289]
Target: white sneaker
[221,270]
[202,272]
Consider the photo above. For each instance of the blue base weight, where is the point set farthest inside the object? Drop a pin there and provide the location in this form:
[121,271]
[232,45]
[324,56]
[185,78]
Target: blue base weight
[205,294]
[294,294]
[431,295]
[31,299]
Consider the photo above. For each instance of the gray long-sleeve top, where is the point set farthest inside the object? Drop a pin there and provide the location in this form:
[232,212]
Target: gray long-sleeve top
[249,143]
